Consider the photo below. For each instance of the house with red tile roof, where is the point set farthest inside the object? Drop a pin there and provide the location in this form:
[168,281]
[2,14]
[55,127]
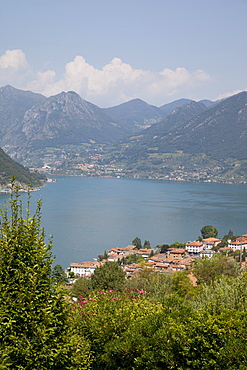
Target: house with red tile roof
[177,253]
[84,269]
[209,243]
[238,245]
[194,247]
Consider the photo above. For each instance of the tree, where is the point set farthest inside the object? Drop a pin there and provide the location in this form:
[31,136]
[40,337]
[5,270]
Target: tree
[59,275]
[82,287]
[108,276]
[35,332]
[132,258]
[137,243]
[210,269]
[164,248]
[71,274]
[146,244]
[102,257]
[209,231]
[177,245]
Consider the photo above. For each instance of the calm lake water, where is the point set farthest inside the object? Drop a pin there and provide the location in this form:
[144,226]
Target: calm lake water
[90,215]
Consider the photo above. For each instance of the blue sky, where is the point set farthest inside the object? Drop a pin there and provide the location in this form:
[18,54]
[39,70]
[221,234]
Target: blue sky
[111,51]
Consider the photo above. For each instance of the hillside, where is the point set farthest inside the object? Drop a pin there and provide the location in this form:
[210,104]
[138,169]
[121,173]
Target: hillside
[173,121]
[192,142]
[136,114]
[219,132]
[168,108]
[10,168]
[13,105]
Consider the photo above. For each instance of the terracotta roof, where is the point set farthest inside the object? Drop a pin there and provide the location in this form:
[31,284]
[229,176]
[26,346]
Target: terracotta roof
[84,264]
[196,244]
[114,250]
[225,249]
[187,261]
[154,259]
[237,243]
[171,260]
[129,247]
[146,250]
[211,240]
[161,265]
[242,239]
[178,267]
[160,255]
[177,250]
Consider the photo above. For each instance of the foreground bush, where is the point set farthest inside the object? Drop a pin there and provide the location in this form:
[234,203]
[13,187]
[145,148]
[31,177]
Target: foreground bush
[35,331]
[132,330]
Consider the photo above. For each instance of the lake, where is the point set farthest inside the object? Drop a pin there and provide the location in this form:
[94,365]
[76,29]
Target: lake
[90,215]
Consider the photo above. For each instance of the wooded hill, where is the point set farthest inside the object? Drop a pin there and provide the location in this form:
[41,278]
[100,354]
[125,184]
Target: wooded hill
[10,168]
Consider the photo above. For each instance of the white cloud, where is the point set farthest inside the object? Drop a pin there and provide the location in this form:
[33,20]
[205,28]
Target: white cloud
[14,59]
[228,94]
[115,83]
[44,81]
[14,68]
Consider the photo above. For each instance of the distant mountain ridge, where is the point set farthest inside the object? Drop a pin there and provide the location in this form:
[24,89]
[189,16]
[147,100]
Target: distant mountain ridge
[133,134]
[136,114]
[30,121]
[61,119]
[172,121]
[219,131]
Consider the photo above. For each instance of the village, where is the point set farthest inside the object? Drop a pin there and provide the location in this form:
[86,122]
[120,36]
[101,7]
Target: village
[172,260]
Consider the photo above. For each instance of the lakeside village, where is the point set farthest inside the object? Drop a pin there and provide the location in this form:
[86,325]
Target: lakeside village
[171,260]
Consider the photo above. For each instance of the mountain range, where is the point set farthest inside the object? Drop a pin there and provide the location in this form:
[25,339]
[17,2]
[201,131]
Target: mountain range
[31,125]
[219,131]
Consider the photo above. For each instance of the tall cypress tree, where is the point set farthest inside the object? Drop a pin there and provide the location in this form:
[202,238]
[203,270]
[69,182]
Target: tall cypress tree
[34,328]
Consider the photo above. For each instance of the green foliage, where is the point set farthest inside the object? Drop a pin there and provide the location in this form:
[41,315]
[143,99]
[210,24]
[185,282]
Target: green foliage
[108,276]
[105,316]
[82,287]
[164,248]
[102,257]
[10,168]
[132,258]
[146,244]
[177,245]
[209,231]
[129,331]
[34,318]
[137,243]
[210,269]
[59,275]
[224,293]
[226,238]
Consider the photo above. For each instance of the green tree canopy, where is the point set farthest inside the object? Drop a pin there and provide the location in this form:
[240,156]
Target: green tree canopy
[137,243]
[146,244]
[164,248]
[59,274]
[177,245]
[34,327]
[82,287]
[108,276]
[209,231]
[210,269]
